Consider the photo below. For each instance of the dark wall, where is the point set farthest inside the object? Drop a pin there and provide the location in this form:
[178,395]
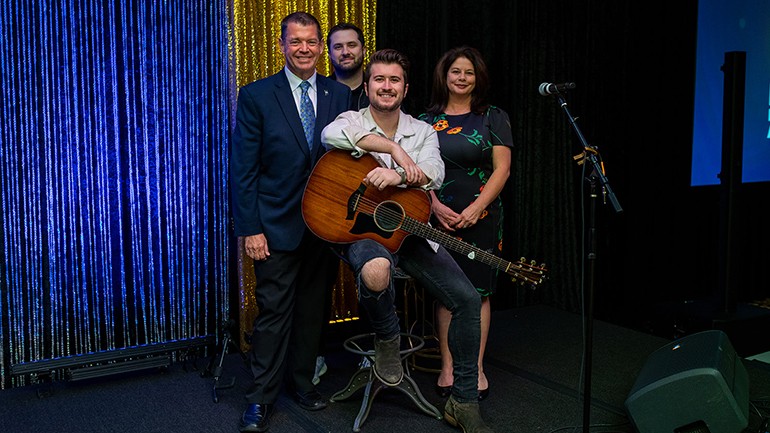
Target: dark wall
[634,65]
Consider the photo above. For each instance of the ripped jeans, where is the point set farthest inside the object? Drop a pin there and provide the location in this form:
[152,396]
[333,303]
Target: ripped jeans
[439,274]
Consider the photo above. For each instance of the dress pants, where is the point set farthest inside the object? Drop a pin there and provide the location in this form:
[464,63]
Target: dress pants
[290,293]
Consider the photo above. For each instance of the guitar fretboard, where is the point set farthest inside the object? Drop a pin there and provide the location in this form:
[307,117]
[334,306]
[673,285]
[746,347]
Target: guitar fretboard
[452,243]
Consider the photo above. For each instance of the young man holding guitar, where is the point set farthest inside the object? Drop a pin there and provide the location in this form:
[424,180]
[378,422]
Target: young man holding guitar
[408,155]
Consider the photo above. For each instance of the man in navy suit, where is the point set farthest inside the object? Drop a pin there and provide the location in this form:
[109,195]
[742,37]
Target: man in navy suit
[272,157]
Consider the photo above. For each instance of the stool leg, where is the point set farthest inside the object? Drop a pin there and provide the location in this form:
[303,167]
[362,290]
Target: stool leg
[362,377]
[409,387]
[371,391]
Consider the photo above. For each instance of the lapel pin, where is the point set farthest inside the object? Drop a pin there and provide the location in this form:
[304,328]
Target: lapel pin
[326,92]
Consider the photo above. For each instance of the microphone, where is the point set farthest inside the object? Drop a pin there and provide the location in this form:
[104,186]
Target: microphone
[546,89]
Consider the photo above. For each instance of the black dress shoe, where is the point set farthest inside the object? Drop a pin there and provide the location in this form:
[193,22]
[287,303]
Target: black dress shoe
[255,418]
[443,391]
[312,400]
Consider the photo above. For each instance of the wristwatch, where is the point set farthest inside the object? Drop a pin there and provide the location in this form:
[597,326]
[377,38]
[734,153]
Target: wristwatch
[402,172]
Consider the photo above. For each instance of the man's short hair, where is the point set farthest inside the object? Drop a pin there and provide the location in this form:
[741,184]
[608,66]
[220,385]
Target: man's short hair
[388,56]
[344,26]
[303,19]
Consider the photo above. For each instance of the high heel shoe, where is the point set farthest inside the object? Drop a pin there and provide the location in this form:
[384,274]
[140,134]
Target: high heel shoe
[483,394]
[443,391]
[446,391]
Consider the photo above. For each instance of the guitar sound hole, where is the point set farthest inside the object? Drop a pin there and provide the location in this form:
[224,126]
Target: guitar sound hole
[389,216]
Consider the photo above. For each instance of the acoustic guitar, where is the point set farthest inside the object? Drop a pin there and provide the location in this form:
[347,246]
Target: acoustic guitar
[339,208]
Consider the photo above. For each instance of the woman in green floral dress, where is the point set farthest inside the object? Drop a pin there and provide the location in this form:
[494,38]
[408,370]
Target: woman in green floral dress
[476,142]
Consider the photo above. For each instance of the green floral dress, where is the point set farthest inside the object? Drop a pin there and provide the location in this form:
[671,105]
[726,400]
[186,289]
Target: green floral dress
[466,142]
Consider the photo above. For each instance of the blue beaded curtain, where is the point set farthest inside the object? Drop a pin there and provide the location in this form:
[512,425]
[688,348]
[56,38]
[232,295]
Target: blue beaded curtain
[114,131]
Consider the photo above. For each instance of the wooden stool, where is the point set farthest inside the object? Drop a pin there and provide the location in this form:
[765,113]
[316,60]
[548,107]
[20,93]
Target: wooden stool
[365,378]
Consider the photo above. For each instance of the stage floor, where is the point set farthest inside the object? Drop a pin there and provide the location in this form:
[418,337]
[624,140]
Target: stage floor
[534,366]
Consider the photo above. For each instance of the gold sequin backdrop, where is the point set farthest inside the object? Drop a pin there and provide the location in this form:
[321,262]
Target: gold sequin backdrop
[257,27]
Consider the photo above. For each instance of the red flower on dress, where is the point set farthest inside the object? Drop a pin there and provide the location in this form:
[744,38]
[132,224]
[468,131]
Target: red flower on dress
[441,125]
[455,130]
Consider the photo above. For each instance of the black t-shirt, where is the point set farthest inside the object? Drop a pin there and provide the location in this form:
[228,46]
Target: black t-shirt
[358,98]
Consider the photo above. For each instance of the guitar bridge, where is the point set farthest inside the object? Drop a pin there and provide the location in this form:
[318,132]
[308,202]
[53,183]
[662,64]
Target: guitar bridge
[353,201]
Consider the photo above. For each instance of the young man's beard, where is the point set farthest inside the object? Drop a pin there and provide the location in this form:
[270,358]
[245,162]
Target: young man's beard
[375,103]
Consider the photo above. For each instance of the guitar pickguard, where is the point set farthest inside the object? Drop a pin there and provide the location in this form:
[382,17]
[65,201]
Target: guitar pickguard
[365,224]
[386,219]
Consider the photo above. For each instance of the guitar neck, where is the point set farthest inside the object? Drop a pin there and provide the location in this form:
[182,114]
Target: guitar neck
[450,242]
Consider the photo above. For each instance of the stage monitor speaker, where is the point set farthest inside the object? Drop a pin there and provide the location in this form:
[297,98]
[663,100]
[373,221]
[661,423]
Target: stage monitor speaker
[694,384]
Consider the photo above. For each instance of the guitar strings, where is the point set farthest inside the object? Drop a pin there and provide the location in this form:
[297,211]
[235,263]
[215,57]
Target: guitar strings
[519,270]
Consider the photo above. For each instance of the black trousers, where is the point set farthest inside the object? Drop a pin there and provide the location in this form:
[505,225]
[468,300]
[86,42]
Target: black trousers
[290,292]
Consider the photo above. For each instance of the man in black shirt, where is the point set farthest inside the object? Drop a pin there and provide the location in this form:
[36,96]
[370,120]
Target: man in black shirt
[346,52]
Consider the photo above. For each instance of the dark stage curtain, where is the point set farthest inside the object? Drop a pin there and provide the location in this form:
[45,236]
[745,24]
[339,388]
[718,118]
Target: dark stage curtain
[633,63]
[542,195]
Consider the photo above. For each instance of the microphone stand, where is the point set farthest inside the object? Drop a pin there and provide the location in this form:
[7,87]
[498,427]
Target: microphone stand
[597,174]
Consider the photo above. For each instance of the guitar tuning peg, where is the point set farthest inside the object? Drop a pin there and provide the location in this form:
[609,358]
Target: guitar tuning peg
[523,259]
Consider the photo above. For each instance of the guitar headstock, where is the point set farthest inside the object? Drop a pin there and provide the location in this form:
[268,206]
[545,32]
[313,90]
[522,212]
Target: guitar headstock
[527,272]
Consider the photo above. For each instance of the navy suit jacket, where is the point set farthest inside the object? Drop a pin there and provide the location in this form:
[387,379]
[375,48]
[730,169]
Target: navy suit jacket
[270,161]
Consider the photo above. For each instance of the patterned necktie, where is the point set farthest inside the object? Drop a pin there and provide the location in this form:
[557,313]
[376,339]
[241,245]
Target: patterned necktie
[307,114]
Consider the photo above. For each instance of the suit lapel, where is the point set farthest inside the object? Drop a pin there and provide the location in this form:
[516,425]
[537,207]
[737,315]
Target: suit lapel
[324,101]
[289,109]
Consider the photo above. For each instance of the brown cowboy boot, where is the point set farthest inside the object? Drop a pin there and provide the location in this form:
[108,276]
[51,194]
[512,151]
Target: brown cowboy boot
[466,416]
